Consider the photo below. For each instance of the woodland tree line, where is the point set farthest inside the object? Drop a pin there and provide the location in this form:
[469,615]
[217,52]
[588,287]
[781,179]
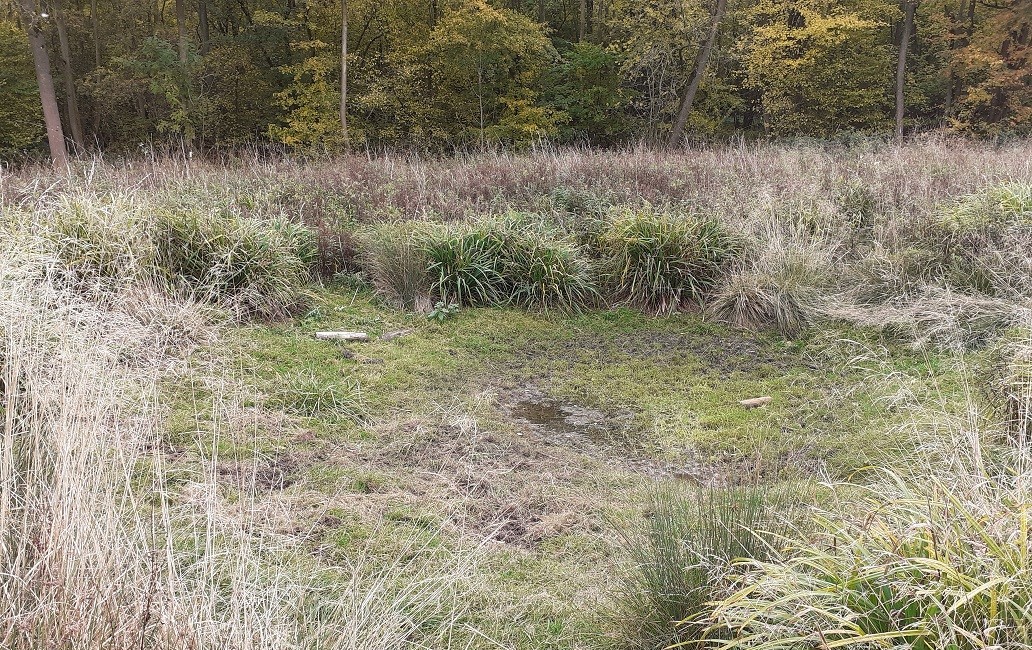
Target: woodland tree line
[326,74]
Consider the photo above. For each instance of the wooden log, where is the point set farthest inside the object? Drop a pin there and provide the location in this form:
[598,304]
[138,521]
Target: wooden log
[342,336]
[756,402]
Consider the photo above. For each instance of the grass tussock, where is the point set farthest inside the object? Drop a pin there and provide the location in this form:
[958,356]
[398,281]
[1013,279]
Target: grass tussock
[682,554]
[394,260]
[260,268]
[513,260]
[253,267]
[781,283]
[550,273]
[665,262]
[466,263]
[305,395]
[936,561]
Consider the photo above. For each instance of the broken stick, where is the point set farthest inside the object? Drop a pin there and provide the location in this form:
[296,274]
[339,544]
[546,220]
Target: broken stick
[756,402]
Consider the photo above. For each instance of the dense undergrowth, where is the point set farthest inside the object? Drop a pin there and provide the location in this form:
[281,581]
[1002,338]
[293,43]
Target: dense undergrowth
[110,277]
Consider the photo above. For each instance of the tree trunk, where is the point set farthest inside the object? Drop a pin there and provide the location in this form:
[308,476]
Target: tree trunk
[951,76]
[909,8]
[971,22]
[541,11]
[344,70]
[47,96]
[202,26]
[95,22]
[181,25]
[72,102]
[677,132]
[97,59]
[582,30]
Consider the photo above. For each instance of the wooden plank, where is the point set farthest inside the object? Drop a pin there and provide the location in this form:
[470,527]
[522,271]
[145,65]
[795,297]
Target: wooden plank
[342,336]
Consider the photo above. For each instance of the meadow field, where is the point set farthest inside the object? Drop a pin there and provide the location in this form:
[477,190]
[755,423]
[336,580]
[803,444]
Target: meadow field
[542,444]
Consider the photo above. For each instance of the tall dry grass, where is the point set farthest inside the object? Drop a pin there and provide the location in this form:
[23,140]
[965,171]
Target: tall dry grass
[100,549]
[930,554]
[889,211]
[933,557]
[910,179]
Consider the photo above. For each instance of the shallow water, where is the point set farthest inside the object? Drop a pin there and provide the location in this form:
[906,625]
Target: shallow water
[613,437]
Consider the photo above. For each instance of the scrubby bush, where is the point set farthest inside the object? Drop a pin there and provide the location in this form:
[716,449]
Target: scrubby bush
[548,273]
[256,267]
[931,561]
[682,552]
[394,258]
[466,263]
[778,286]
[666,262]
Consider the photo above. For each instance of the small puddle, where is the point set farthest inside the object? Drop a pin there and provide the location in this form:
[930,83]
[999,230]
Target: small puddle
[612,436]
[570,421]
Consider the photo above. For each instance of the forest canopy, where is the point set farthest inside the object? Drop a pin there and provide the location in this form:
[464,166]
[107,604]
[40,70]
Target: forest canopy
[321,75]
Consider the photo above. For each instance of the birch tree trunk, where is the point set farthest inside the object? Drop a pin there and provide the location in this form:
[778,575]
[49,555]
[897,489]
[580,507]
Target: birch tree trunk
[181,25]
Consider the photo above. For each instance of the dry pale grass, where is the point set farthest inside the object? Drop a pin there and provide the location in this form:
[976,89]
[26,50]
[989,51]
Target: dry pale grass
[877,215]
[905,180]
[98,549]
[934,554]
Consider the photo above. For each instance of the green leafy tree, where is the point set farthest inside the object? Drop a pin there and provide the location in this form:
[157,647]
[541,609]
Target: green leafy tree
[657,43]
[996,68]
[822,67]
[447,74]
[21,122]
[473,79]
[238,103]
[586,86]
[311,101]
